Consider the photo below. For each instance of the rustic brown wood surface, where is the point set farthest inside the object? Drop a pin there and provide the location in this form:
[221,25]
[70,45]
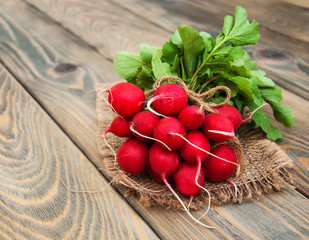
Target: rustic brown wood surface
[40,170]
[53,53]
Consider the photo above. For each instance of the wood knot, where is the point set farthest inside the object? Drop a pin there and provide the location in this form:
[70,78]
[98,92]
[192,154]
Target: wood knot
[65,68]
[268,53]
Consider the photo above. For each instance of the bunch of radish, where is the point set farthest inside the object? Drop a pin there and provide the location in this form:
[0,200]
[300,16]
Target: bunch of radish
[171,139]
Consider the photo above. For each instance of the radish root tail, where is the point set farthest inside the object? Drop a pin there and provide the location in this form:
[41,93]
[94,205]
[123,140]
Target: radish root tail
[110,147]
[151,100]
[138,133]
[250,117]
[182,204]
[231,134]
[234,184]
[138,186]
[105,100]
[203,149]
[196,182]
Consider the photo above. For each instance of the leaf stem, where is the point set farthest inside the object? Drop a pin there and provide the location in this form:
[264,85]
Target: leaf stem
[194,77]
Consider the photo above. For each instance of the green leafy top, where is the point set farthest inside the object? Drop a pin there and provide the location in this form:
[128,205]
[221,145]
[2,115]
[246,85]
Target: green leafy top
[197,58]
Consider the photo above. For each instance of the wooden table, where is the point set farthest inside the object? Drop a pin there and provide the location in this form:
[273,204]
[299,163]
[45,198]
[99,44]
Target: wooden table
[54,52]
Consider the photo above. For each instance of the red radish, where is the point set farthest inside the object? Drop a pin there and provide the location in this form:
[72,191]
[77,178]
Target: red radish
[120,127]
[184,179]
[168,100]
[157,177]
[218,128]
[142,124]
[195,151]
[192,117]
[191,153]
[162,161]
[216,170]
[132,156]
[165,131]
[231,113]
[126,99]
[234,115]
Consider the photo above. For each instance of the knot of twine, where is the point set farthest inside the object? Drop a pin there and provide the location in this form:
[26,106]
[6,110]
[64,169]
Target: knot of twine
[197,98]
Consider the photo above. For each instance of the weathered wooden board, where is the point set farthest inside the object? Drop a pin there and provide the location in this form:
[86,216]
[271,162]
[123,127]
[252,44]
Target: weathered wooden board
[283,214]
[117,25]
[36,50]
[40,167]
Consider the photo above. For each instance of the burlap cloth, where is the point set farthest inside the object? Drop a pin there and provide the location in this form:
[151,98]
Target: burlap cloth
[266,168]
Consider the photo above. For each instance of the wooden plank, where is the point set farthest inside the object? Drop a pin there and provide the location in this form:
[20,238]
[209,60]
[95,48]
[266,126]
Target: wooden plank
[32,47]
[279,17]
[209,16]
[294,144]
[56,68]
[283,57]
[39,168]
[282,215]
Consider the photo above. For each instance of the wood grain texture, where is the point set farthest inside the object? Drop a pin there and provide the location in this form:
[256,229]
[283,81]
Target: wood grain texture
[60,70]
[127,24]
[39,164]
[57,69]
[282,215]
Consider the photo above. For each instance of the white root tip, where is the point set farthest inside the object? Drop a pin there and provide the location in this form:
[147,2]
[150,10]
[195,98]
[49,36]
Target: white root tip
[138,186]
[154,139]
[183,205]
[234,184]
[231,134]
[189,204]
[223,159]
[151,110]
[250,117]
[196,182]
[105,100]
[110,147]
[103,90]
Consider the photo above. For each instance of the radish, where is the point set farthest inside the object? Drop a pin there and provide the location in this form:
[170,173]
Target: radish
[157,177]
[162,161]
[216,170]
[195,151]
[184,179]
[132,156]
[234,115]
[191,153]
[168,100]
[165,162]
[168,130]
[120,127]
[192,117]
[142,125]
[126,99]
[231,113]
[218,128]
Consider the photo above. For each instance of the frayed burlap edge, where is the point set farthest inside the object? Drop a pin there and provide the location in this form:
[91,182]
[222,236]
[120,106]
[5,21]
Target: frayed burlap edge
[266,168]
